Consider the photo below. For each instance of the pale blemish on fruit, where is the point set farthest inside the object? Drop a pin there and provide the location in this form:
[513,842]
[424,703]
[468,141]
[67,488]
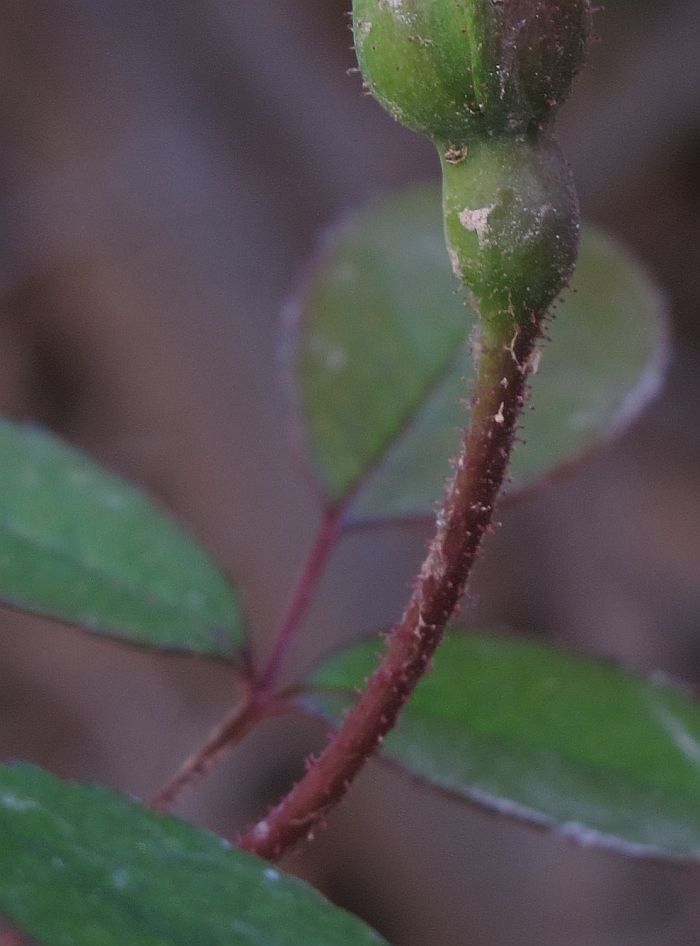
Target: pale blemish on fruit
[477,221]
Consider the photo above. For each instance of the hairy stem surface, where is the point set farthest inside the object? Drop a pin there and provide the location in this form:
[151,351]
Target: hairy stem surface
[464,518]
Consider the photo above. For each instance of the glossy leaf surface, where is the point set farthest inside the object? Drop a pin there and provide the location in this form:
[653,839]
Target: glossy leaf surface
[529,731]
[82,866]
[381,364]
[79,544]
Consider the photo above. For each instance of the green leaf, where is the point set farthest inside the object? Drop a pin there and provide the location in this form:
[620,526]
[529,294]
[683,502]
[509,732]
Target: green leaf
[525,730]
[381,360]
[82,866]
[80,545]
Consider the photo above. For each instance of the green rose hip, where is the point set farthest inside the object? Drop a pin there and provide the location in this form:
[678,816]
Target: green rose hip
[511,224]
[482,78]
[456,69]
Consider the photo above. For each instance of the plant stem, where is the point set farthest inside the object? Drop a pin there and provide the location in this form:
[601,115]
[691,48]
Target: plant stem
[228,733]
[11,937]
[258,703]
[464,518]
[299,601]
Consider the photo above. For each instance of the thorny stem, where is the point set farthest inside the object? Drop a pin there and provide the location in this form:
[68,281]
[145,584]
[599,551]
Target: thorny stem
[257,703]
[464,518]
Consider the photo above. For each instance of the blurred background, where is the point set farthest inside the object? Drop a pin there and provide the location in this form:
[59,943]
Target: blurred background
[165,169]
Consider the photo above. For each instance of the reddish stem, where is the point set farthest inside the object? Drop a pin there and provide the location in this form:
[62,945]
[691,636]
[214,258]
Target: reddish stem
[298,603]
[464,518]
[11,938]
[258,702]
[228,733]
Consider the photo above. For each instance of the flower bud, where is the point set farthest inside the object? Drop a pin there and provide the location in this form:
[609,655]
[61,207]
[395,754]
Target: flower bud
[460,69]
[511,225]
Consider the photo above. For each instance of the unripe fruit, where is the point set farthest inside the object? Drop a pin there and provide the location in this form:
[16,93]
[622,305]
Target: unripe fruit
[456,70]
[511,225]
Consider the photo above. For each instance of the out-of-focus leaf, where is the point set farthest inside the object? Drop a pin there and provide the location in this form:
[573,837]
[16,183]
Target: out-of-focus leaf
[523,729]
[80,545]
[381,364]
[82,866]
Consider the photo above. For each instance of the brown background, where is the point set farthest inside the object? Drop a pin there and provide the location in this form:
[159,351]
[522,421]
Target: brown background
[165,168]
